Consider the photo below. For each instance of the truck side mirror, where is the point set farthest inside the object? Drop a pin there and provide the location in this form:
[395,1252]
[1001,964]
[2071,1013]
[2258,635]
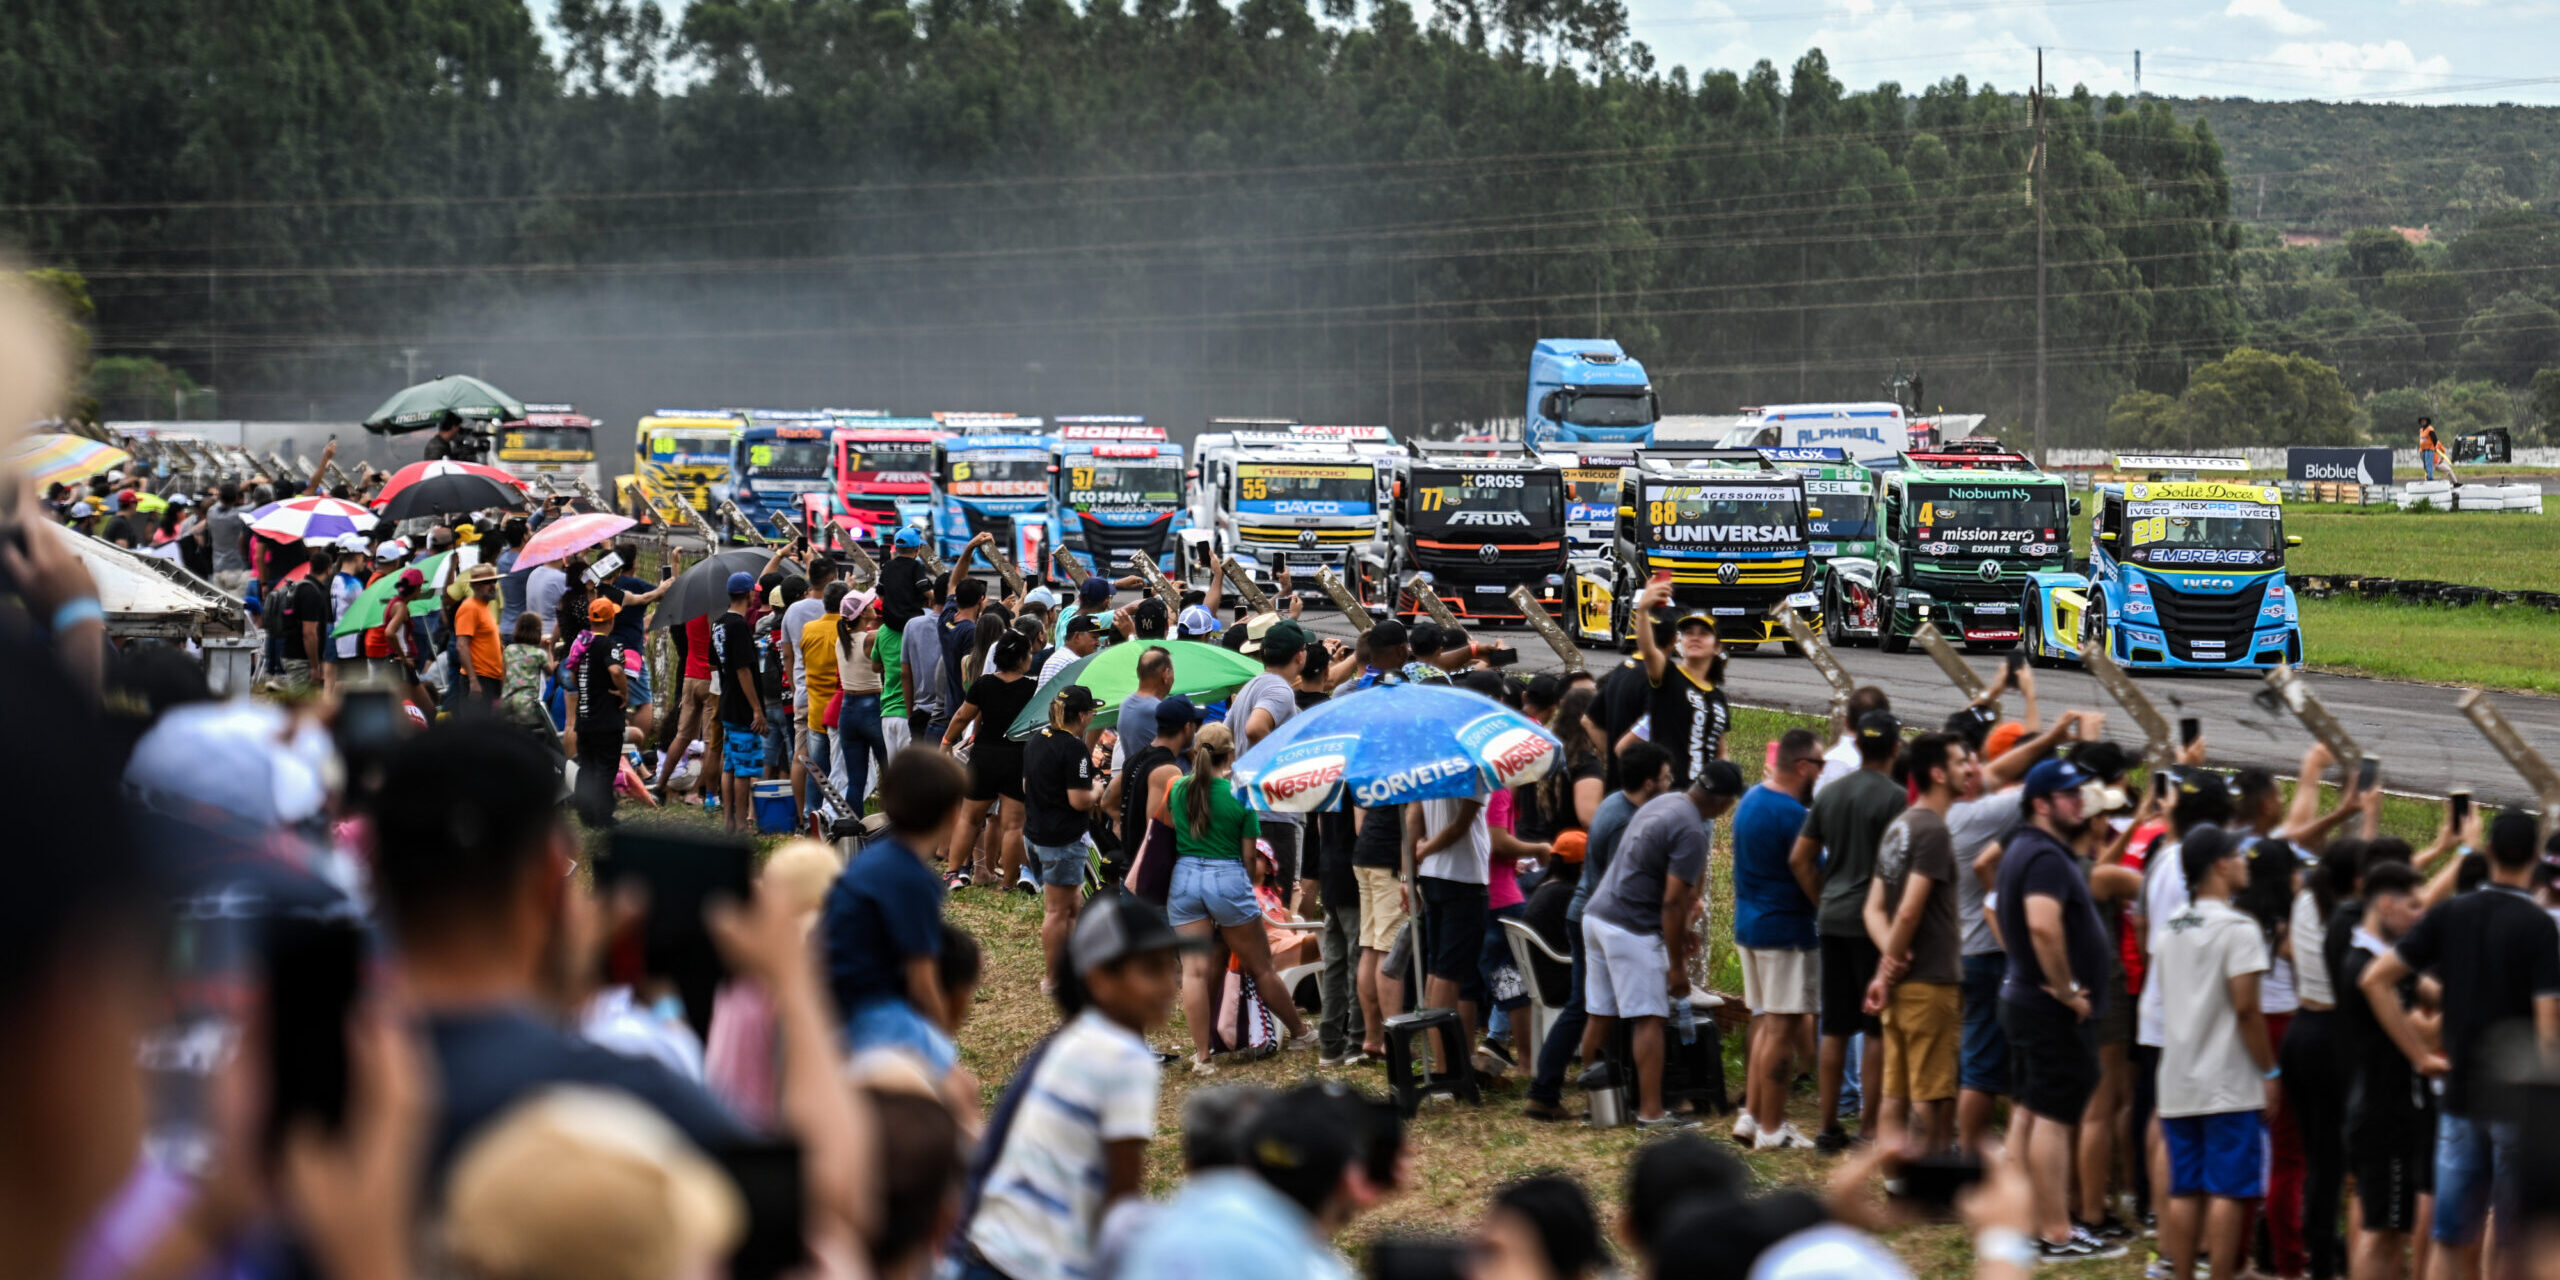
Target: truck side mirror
[1814,514]
[1653,406]
[2075,506]
[2293,539]
[1626,513]
[2108,536]
[1399,490]
[1551,405]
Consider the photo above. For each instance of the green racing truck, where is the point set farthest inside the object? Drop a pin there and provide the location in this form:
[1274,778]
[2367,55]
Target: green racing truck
[1957,537]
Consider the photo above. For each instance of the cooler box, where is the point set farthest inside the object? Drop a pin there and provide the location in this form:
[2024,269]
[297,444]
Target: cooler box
[776,813]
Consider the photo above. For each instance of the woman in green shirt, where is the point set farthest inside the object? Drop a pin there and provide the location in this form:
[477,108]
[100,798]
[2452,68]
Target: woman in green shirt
[1218,862]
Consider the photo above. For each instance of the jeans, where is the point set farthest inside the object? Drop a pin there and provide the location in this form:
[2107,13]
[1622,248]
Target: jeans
[2314,1091]
[819,746]
[1503,981]
[2477,1165]
[1341,1028]
[1564,1039]
[859,725]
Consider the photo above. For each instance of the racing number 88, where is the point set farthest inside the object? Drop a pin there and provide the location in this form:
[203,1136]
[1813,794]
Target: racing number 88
[1662,513]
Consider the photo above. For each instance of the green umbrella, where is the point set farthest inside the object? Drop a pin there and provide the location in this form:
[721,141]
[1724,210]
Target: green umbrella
[367,608]
[1200,670]
[428,405]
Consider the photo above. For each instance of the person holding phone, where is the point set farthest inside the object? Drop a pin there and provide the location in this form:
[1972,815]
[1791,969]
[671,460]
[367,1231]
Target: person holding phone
[742,718]
[1687,708]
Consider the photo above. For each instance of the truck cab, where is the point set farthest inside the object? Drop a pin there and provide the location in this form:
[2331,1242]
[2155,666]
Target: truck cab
[553,440]
[1309,501]
[2186,572]
[993,477]
[783,455]
[1871,433]
[883,471]
[1470,521]
[1589,391]
[1957,537]
[1118,490]
[678,451]
[1728,527]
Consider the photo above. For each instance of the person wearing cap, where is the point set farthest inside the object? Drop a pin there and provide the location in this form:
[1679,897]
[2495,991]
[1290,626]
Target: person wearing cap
[632,595]
[1687,709]
[862,752]
[1084,1113]
[742,718]
[355,556]
[1083,635]
[1265,703]
[903,583]
[306,624]
[1058,794]
[1833,859]
[599,673]
[1911,916]
[1388,657]
[2217,1062]
[1093,599]
[1636,928]
[390,645]
[1303,1178]
[483,663]
[2057,947]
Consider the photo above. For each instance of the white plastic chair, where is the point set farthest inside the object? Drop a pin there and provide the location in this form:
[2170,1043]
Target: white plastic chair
[1527,946]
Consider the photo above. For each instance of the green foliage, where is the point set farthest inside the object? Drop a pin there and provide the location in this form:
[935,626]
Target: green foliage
[2250,397]
[2333,167]
[2546,402]
[66,294]
[2510,338]
[139,387]
[2460,407]
[2374,252]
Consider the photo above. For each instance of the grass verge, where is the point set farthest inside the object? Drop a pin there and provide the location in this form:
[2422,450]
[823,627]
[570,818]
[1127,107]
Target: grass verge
[2482,548]
[2509,648]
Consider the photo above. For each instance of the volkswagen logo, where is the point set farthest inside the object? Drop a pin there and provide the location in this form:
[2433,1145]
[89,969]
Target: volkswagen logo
[1488,553]
[1306,537]
[1728,573]
[1990,571]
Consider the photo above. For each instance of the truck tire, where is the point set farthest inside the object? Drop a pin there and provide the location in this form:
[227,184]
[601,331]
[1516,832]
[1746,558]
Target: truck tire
[1889,620]
[1834,613]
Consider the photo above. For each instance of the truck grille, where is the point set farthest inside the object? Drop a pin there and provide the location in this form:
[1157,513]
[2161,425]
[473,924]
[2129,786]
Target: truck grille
[1288,537]
[2188,616]
[1466,560]
[1108,543]
[1755,573]
[1967,584]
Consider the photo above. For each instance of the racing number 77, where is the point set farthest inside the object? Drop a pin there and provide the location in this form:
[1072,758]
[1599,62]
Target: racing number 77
[1432,499]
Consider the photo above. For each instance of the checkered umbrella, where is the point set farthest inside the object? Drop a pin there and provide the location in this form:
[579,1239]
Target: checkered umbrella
[302,519]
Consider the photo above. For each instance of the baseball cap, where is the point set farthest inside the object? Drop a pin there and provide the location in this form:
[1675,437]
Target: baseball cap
[1198,621]
[910,537]
[1115,926]
[2203,845]
[2052,776]
[396,549]
[1173,711]
[1878,724]
[127,498]
[855,602]
[1149,616]
[81,510]
[1389,631]
[2004,735]
[1720,778]
[1041,596]
[1279,640]
[1084,624]
[742,583]
[1077,700]
[411,580]
[602,610]
[1094,590]
[353,543]
[1572,846]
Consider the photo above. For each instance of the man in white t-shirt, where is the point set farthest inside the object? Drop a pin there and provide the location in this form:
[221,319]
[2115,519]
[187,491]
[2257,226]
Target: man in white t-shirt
[1453,859]
[355,559]
[1084,635]
[2216,1057]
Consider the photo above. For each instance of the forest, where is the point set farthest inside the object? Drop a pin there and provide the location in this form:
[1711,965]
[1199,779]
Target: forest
[1182,209]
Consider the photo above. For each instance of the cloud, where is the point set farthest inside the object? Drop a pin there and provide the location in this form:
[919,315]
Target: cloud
[2274,16]
[2338,68]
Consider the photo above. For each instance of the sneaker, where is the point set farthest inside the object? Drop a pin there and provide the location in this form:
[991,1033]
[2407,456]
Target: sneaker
[1746,1128]
[1306,1039]
[2079,1247]
[1336,1059]
[1203,1067]
[1832,1141]
[2158,1270]
[1546,1112]
[1498,1050]
[1665,1122]
[2108,1228]
[1787,1137]
[1490,1065]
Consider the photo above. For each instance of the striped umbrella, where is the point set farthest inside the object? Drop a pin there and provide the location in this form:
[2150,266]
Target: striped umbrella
[417,471]
[61,459]
[302,519]
[569,535]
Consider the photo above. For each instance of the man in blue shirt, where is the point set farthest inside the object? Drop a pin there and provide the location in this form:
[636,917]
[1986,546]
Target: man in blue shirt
[882,921]
[1647,770]
[1773,927]
[1305,1176]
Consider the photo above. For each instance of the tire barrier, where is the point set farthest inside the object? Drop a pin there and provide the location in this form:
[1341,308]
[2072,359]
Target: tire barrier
[2418,591]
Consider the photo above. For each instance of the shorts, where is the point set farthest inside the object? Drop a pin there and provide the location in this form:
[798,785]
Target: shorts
[2223,1155]
[1381,907]
[1985,1064]
[1061,866]
[741,751]
[2478,1164]
[2116,1013]
[1848,965]
[1624,975]
[636,687]
[2053,1058]
[1212,889]
[1781,980]
[1923,1028]
[889,1022]
[2390,1176]
[701,701]
[1454,918]
[994,776]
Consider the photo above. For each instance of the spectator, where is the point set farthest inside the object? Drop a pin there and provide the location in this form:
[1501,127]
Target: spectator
[226,526]
[600,674]
[1265,703]
[2217,1058]
[1635,929]
[1212,903]
[580,1181]
[1083,1110]
[543,588]
[1453,872]
[1911,916]
[307,619]
[483,665]
[1137,792]
[742,718]
[2496,957]
[632,595]
[697,709]
[1687,709]
[991,705]
[1303,1180]
[511,581]
[1217,1126]
[1083,639]
[742,1059]
[2049,926]
[861,744]
[882,924]
[2390,1108]
[1842,759]
[1058,791]
[1539,1228]
[919,672]
[1977,827]
[1834,857]
[528,661]
[1646,768]
[920,1157]
[1773,928]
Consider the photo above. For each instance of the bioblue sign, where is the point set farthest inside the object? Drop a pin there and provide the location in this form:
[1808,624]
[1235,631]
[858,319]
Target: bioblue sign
[2352,466]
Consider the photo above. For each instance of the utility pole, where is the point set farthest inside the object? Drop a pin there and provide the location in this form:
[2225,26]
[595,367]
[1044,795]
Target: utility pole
[2040,169]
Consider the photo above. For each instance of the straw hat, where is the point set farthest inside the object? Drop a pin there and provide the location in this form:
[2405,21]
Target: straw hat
[588,1184]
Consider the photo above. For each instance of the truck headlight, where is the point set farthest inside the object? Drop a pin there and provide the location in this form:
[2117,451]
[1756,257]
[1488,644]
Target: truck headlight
[1555,579]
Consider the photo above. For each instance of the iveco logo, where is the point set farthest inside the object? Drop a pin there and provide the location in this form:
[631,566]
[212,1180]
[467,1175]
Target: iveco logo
[1488,553]
[1306,537]
[1728,572]
[1990,571]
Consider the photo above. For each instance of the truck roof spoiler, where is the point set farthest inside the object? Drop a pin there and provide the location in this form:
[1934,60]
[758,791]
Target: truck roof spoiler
[1679,455]
[1972,461]
[1504,450]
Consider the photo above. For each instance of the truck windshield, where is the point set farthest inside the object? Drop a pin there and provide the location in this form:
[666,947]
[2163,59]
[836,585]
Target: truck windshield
[1846,515]
[693,449]
[915,459]
[2239,534]
[547,440]
[1722,514]
[1608,408]
[788,457]
[997,477]
[1988,516]
[1304,489]
[1480,502]
[1123,484]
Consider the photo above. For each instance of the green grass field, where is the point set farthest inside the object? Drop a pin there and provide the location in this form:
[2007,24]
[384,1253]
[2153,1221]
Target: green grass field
[2485,549]
[2505,648]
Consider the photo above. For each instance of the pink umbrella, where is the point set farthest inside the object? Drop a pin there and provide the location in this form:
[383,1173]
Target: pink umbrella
[569,535]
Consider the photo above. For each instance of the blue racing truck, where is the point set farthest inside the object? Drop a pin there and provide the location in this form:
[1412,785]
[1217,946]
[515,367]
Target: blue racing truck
[993,477]
[782,454]
[1588,391]
[1118,490]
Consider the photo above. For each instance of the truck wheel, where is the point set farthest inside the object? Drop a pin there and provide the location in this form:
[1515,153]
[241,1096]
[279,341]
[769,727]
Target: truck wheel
[2093,631]
[1890,636]
[1619,625]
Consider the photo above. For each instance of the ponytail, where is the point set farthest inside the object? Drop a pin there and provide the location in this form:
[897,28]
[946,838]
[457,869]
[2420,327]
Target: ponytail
[1212,748]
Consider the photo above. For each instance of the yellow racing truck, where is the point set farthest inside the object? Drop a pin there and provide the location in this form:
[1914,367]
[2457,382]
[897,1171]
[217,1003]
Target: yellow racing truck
[679,451]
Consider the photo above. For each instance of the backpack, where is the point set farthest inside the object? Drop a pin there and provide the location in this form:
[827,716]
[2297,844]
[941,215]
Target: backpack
[769,657]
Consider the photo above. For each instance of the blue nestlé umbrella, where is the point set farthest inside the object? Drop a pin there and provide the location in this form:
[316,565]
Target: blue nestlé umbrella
[1393,744]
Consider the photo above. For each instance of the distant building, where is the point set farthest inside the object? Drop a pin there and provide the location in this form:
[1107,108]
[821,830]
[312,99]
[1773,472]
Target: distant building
[2417,235]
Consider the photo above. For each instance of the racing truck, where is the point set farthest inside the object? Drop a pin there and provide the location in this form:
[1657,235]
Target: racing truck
[2185,572]
[1727,526]
[678,451]
[784,455]
[1957,537]
[1270,498]
[1118,489]
[993,477]
[552,440]
[883,472]
[1588,391]
[1469,521]
[1590,497]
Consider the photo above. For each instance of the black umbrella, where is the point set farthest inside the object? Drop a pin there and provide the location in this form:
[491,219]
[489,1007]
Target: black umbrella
[703,589]
[453,494]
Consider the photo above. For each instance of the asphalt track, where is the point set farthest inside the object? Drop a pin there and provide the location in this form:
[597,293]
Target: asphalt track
[2426,746]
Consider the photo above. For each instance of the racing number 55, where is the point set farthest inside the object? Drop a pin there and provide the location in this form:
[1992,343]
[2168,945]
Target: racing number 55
[1253,488]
